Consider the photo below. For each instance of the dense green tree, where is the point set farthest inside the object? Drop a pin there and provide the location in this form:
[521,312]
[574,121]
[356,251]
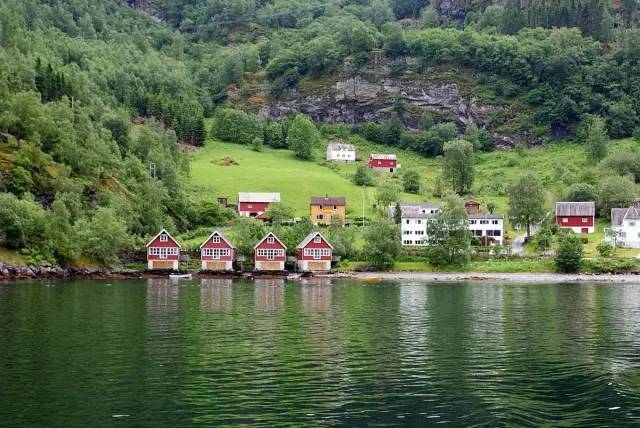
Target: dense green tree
[303,137]
[596,140]
[279,213]
[526,201]
[411,181]
[615,192]
[387,194]
[581,192]
[458,165]
[363,177]
[382,244]
[104,236]
[448,237]
[236,126]
[246,233]
[569,254]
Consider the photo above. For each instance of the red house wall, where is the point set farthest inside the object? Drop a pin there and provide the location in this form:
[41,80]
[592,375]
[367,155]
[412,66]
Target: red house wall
[169,244]
[221,244]
[382,163]
[256,207]
[321,244]
[276,245]
[575,221]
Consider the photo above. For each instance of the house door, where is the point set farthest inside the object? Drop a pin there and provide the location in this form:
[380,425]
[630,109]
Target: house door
[390,169]
[585,230]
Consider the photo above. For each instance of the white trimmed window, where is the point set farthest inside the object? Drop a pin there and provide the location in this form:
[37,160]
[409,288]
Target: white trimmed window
[317,239]
[215,239]
[565,220]
[163,252]
[585,219]
[216,253]
[494,221]
[269,253]
[270,240]
[317,253]
[164,237]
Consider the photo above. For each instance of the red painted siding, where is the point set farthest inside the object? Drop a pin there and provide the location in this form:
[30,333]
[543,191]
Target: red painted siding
[158,244]
[575,221]
[382,163]
[321,244]
[275,246]
[256,207]
[221,244]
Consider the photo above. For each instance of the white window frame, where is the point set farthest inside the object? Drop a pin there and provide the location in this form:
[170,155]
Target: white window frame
[164,237]
[271,240]
[163,252]
[215,239]
[317,239]
[270,253]
[216,253]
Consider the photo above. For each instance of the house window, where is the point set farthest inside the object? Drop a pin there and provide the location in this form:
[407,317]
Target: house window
[216,253]
[632,223]
[472,221]
[249,205]
[335,207]
[164,237]
[317,239]
[269,253]
[163,252]
[585,219]
[270,240]
[317,253]
[408,221]
[484,221]
[407,242]
[419,221]
[494,221]
[379,163]
[320,206]
[565,220]
[320,217]
[215,239]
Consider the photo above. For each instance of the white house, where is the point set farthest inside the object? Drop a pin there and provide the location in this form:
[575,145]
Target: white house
[341,152]
[487,226]
[413,225]
[625,227]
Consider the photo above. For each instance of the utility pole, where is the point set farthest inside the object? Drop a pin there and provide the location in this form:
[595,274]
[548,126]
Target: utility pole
[152,169]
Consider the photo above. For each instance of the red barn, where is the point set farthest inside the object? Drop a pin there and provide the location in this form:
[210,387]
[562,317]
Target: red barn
[163,252]
[314,253]
[577,216]
[217,253]
[383,162]
[270,254]
[255,204]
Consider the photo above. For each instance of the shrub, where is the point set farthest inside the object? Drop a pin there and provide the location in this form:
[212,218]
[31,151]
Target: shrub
[569,255]
[604,249]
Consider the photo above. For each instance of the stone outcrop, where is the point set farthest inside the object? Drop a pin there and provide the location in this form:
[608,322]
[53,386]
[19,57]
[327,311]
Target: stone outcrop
[14,273]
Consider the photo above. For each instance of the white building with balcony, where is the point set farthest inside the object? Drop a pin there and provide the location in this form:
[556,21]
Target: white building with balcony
[487,228]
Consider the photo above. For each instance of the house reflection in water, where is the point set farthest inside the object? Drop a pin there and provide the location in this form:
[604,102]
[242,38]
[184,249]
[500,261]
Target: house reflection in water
[216,294]
[162,295]
[316,293]
[269,293]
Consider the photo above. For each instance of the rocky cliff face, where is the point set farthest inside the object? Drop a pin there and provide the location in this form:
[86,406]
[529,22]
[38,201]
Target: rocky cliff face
[445,94]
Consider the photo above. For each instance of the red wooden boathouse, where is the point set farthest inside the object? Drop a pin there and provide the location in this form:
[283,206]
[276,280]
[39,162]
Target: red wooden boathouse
[270,254]
[163,252]
[217,253]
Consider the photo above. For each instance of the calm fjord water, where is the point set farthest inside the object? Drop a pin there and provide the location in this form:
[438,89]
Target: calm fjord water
[213,352]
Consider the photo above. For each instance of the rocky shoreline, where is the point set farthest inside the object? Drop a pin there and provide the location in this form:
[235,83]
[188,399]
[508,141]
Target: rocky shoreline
[24,273]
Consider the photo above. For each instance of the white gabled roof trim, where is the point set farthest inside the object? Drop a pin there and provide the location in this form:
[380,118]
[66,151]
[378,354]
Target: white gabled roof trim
[258,197]
[265,238]
[308,239]
[175,241]
[215,232]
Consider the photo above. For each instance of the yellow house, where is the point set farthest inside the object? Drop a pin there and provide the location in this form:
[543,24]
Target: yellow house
[324,209]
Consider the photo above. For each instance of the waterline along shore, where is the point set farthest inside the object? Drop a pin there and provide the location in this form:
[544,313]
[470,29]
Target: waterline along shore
[18,273]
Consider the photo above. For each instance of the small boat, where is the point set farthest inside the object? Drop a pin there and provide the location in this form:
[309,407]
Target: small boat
[180,276]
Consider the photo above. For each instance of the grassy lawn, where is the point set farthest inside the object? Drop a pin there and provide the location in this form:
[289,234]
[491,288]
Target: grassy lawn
[490,266]
[12,257]
[275,171]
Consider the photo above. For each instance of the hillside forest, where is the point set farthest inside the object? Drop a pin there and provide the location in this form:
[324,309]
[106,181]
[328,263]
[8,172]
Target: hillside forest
[101,102]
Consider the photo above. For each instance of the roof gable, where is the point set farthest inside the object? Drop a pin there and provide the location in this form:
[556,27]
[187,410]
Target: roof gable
[168,234]
[265,238]
[328,200]
[258,197]
[383,156]
[215,232]
[575,209]
[310,237]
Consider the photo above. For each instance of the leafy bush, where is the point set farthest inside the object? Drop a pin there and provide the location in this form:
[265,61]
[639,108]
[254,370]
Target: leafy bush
[569,254]
[236,126]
